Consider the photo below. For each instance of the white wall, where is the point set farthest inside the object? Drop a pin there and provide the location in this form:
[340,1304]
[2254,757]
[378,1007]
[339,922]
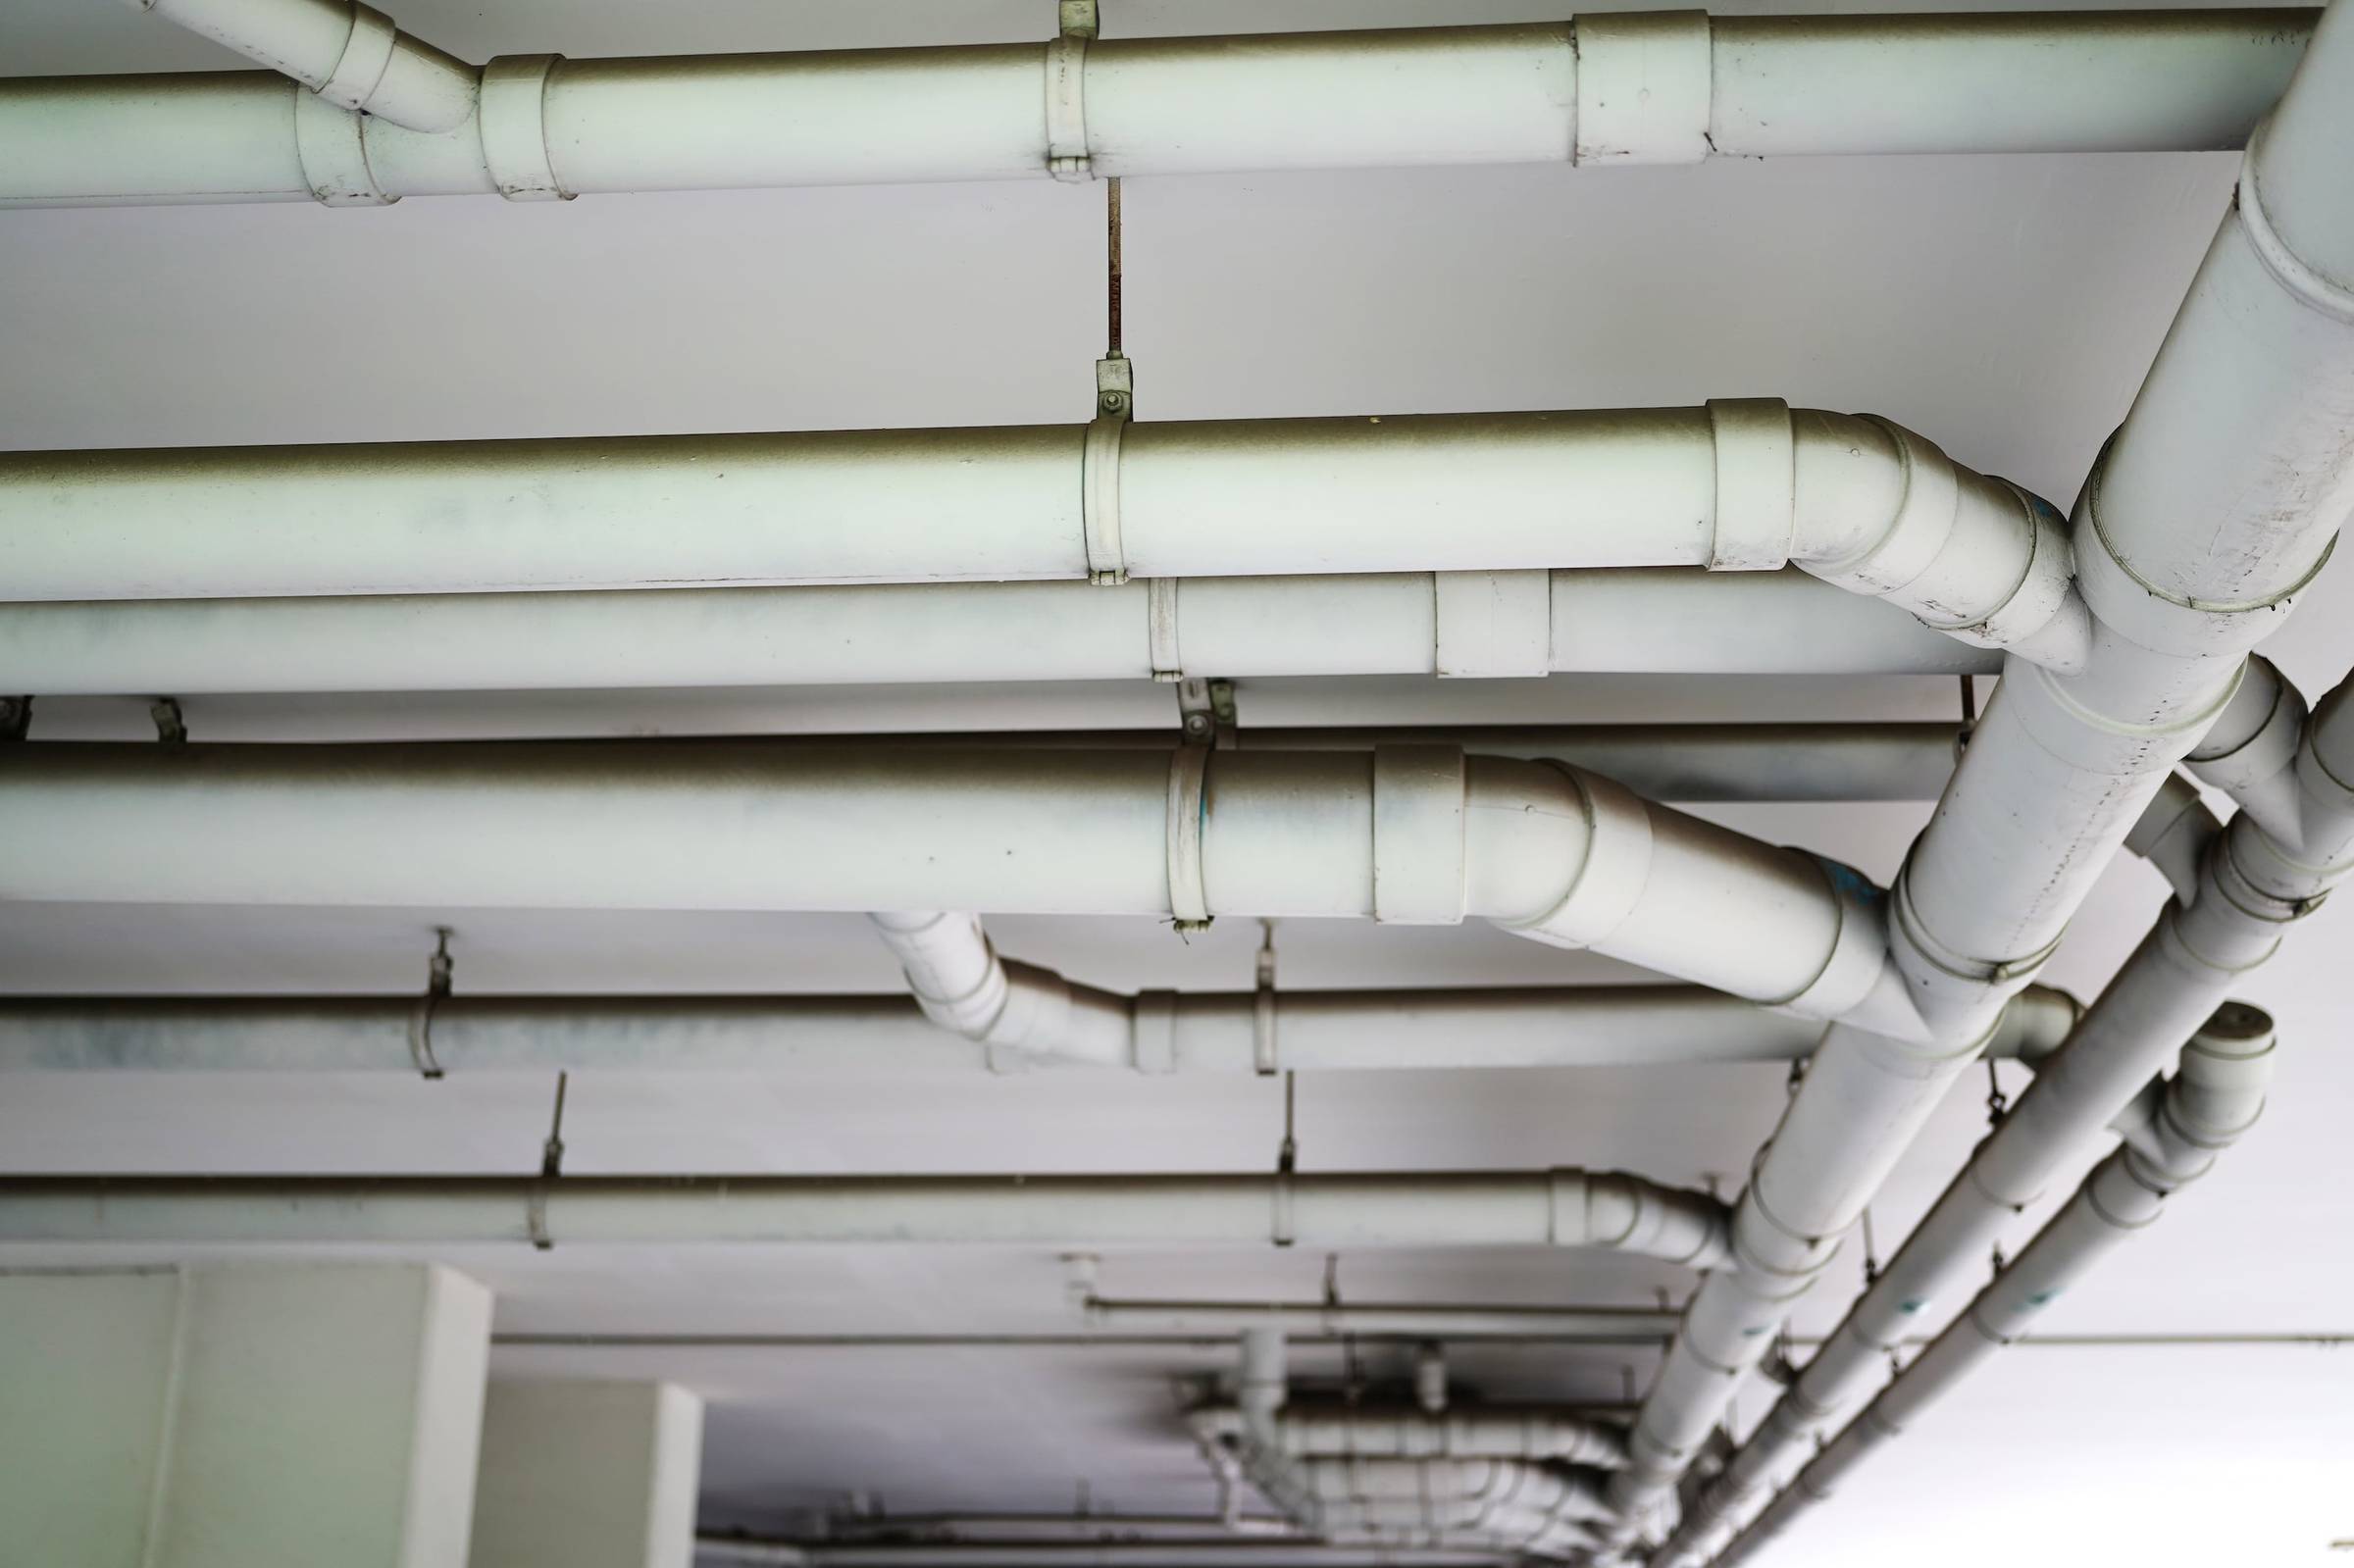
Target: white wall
[240,1417]
[588,1474]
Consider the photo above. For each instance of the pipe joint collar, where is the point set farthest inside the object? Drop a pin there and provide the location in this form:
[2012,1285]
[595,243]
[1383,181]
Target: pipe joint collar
[1617,866]
[2156,618]
[367,53]
[1688,1228]
[2298,277]
[1756,484]
[332,146]
[1418,835]
[1644,81]
[1917,535]
[1859,954]
[513,118]
[2049,705]
[1910,936]
[2043,619]
[2325,760]
[2260,877]
[1776,1262]
[2214,939]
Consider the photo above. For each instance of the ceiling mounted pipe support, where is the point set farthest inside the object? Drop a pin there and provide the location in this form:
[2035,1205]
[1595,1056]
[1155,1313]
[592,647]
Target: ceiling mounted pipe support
[1610,89]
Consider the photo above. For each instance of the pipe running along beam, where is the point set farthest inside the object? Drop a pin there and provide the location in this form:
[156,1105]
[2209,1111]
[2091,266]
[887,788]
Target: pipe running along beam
[1665,87]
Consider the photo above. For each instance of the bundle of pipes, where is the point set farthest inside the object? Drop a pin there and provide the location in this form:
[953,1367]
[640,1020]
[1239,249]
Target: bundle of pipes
[2198,526]
[2215,1096]
[1666,87]
[2124,656]
[2292,841]
[1208,1552]
[1428,1479]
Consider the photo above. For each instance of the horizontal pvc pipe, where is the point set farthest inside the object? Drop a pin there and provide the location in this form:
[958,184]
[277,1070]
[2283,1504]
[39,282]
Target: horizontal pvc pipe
[1106,1526]
[1691,763]
[1741,485]
[1998,81]
[1672,620]
[1222,1553]
[1666,87]
[1586,1026]
[1419,1210]
[1416,1320]
[1413,836]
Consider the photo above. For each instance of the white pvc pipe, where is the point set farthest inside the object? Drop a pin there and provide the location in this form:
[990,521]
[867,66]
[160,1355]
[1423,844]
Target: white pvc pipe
[1581,1026]
[1407,1478]
[1561,1208]
[1508,1504]
[2215,503]
[1666,87]
[1439,1321]
[1414,836]
[1999,82]
[1479,1433]
[952,970]
[1673,762]
[1736,485]
[1023,1011]
[2250,753]
[1647,620]
[1245,1553]
[348,53]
